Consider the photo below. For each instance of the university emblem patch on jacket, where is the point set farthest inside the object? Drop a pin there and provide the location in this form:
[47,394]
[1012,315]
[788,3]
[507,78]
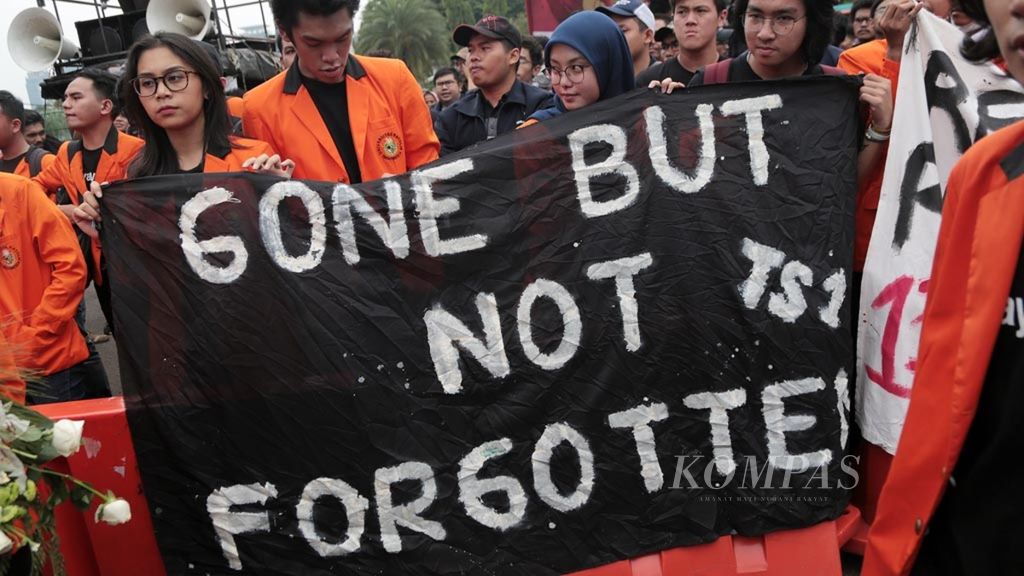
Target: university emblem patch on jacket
[389,145]
[9,257]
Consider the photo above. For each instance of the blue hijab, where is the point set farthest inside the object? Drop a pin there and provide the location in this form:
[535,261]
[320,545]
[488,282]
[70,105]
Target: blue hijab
[600,41]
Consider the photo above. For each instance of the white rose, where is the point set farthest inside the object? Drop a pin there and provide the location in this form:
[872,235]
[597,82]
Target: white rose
[5,544]
[115,512]
[67,436]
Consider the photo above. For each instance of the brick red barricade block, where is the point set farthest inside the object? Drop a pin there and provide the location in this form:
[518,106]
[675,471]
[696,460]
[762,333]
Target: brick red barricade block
[811,550]
[107,461]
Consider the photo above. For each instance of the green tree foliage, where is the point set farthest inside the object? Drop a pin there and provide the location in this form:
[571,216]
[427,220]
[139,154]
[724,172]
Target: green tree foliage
[497,8]
[414,30]
[458,12]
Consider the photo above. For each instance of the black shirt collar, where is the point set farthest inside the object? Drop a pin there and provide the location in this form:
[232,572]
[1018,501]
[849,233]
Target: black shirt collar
[293,78]
[474,103]
[109,145]
[219,151]
[1013,163]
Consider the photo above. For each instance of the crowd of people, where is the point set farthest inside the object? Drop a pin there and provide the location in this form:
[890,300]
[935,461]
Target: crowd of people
[333,115]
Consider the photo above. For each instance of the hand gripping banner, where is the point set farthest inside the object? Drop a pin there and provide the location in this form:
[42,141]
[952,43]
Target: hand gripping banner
[606,335]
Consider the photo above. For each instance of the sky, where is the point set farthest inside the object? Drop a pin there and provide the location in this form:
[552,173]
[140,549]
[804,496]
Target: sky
[13,77]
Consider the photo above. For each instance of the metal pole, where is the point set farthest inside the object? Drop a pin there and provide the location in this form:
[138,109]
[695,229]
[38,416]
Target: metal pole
[100,29]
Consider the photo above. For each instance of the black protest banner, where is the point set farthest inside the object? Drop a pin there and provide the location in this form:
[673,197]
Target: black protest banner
[613,333]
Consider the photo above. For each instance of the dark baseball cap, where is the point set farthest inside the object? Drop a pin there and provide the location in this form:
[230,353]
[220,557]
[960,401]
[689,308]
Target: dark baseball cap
[490,26]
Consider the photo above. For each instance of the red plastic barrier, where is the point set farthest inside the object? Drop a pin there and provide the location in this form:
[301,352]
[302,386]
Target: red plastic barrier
[873,469]
[107,461]
[812,550]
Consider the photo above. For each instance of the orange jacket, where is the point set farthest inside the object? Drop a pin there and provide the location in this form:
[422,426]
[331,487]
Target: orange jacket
[23,169]
[11,384]
[236,106]
[42,279]
[230,160]
[66,172]
[975,261]
[391,127]
[869,58]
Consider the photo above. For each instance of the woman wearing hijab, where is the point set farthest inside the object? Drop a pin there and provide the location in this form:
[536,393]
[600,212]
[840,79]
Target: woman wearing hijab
[588,60]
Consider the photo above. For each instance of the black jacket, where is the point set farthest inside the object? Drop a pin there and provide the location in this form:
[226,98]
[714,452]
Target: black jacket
[464,123]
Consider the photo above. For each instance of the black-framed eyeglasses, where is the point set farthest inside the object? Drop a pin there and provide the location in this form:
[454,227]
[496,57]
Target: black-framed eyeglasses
[781,25]
[175,81]
[574,73]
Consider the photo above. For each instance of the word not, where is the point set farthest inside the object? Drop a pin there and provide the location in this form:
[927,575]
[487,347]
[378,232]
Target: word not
[446,334]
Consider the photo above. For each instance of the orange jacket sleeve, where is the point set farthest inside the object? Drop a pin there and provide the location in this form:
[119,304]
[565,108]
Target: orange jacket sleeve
[255,128]
[421,142]
[58,247]
[52,176]
[11,385]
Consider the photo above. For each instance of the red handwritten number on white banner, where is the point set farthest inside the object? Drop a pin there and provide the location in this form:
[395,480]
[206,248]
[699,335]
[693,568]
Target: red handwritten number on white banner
[896,294]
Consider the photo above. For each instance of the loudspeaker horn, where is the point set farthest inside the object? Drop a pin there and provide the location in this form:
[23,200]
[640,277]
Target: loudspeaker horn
[35,40]
[188,17]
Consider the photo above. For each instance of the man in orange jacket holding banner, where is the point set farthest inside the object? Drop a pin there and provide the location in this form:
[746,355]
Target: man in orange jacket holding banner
[42,279]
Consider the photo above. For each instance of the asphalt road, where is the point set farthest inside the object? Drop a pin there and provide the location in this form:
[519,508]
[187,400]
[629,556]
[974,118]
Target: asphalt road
[94,324]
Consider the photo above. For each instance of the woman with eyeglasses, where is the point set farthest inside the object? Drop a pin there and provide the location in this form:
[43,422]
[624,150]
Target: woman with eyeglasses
[174,96]
[587,60]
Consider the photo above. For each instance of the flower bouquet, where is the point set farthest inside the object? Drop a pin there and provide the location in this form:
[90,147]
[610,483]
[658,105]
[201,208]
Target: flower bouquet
[29,492]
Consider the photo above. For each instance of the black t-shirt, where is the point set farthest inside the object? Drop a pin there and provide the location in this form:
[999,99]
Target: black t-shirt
[197,170]
[90,162]
[332,102]
[977,528]
[740,71]
[670,68]
[10,165]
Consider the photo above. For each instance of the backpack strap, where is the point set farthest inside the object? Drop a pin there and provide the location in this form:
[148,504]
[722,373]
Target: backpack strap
[717,73]
[35,160]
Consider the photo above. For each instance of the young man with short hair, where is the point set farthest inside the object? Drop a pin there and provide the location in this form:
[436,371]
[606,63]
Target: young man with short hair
[531,60]
[342,117]
[500,101]
[18,156]
[287,51]
[636,21]
[695,23]
[34,130]
[448,90]
[662,23]
[666,39]
[447,87]
[100,154]
[863,22]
